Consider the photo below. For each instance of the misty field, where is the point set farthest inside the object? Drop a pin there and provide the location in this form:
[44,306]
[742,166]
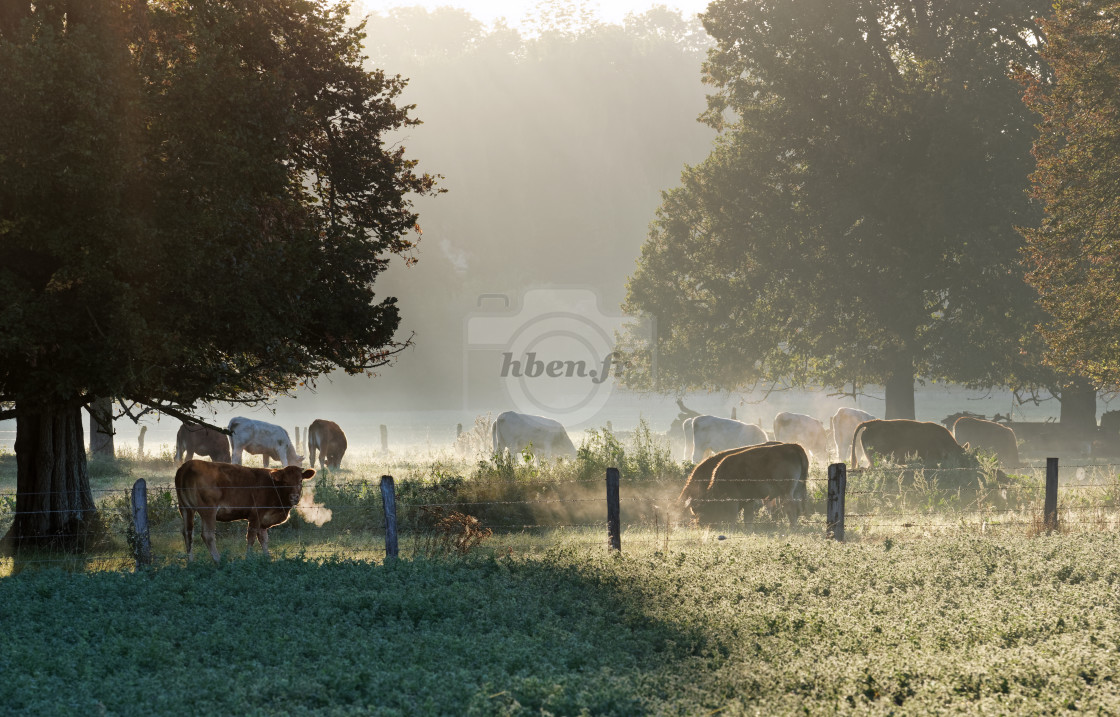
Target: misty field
[946,598]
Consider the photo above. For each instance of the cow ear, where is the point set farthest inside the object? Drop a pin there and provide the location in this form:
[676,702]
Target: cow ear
[308,473]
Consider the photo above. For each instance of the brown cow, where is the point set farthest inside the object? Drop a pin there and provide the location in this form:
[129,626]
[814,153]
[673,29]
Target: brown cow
[989,436]
[930,442]
[225,492]
[327,438]
[773,471]
[192,439]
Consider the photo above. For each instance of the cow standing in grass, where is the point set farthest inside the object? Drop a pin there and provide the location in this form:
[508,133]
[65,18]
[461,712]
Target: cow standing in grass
[328,439]
[192,439]
[225,492]
[775,473]
[264,439]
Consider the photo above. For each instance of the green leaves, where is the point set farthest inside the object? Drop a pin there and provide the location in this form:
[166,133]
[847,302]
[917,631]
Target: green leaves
[857,214]
[196,202]
[1072,253]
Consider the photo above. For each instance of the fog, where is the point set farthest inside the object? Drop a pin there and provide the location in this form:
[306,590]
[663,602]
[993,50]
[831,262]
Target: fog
[554,150]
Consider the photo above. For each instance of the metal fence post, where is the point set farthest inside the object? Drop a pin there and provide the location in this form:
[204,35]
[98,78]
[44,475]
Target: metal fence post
[389,499]
[142,543]
[614,536]
[837,486]
[1050,505]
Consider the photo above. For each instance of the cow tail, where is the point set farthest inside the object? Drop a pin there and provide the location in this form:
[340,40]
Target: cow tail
[855,442]
[185,488]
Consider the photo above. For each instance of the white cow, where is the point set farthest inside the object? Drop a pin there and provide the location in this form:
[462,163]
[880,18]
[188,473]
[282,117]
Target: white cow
[264,439]
[803,430]
[689,439]
[517,431]
[714,434]
[844,423]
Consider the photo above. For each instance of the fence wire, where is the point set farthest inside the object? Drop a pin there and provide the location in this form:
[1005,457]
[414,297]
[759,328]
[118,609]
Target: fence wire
[552,515]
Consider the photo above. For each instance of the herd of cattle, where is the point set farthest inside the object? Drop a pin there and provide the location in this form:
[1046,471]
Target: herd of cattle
[736,463]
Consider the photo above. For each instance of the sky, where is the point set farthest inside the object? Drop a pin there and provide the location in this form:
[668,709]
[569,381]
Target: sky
[513,11]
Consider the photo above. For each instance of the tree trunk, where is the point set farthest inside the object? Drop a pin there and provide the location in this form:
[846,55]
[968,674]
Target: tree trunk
[1079,407]
[54,505]
[900,390]
[101,428]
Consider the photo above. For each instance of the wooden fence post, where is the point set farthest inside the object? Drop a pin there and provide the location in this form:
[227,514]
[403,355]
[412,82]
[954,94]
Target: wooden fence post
[298,445]
[140,440]
[389,499]
[1050,506]
[614,533]
[458,430]
[142,543]
[837,486]
[384,438]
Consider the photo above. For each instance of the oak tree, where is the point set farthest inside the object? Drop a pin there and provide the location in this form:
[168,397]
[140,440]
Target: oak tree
[855,221]
[195,202]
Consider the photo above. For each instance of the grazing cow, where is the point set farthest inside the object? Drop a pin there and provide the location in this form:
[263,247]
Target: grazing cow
[844,423]
[192,439]
[689,437]
[987,436]
[804,430]
[772,471]
[264,439]
[517,431]
[220,491]
[930,442]
[710,433]
[329,440]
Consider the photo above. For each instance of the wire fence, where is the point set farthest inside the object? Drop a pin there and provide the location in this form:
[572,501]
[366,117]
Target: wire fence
[346,519]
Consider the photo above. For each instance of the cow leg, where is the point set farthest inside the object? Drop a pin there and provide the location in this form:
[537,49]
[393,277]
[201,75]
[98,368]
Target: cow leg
[237,451]
[264,457]
[188,530]
[262,535]
[209,528]
[311,454]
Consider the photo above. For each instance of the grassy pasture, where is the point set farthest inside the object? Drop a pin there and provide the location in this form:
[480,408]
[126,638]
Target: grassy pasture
[1002,624]
[942,600]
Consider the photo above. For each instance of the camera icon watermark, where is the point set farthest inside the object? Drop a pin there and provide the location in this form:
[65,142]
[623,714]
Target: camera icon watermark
[556,354]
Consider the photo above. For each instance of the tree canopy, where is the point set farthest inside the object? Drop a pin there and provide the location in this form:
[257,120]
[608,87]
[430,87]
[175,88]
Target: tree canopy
[1074,251]
[195,202]
[855,221]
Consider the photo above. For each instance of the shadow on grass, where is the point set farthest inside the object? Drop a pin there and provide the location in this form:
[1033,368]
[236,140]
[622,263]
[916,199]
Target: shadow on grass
[478,635]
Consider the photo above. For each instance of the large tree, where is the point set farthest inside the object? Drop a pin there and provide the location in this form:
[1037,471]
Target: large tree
[1074,252]
[854,223]
[195,201]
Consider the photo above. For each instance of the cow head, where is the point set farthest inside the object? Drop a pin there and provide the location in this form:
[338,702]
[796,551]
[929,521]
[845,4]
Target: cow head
[289,482]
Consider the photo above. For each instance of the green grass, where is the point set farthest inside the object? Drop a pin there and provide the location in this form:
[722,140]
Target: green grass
[760,624]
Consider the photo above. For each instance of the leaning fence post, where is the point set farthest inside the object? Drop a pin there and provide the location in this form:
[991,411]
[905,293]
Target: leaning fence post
[140,441]
[1050,505]
[142,543]
[389,499]
[614,537]
[837,486]
[384,438]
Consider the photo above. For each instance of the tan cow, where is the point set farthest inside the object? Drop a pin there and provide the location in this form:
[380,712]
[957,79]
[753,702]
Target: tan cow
[930,442]
[804,430]
[329,440]
[770,472]
[192,439]
[226,492]
[988,436]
